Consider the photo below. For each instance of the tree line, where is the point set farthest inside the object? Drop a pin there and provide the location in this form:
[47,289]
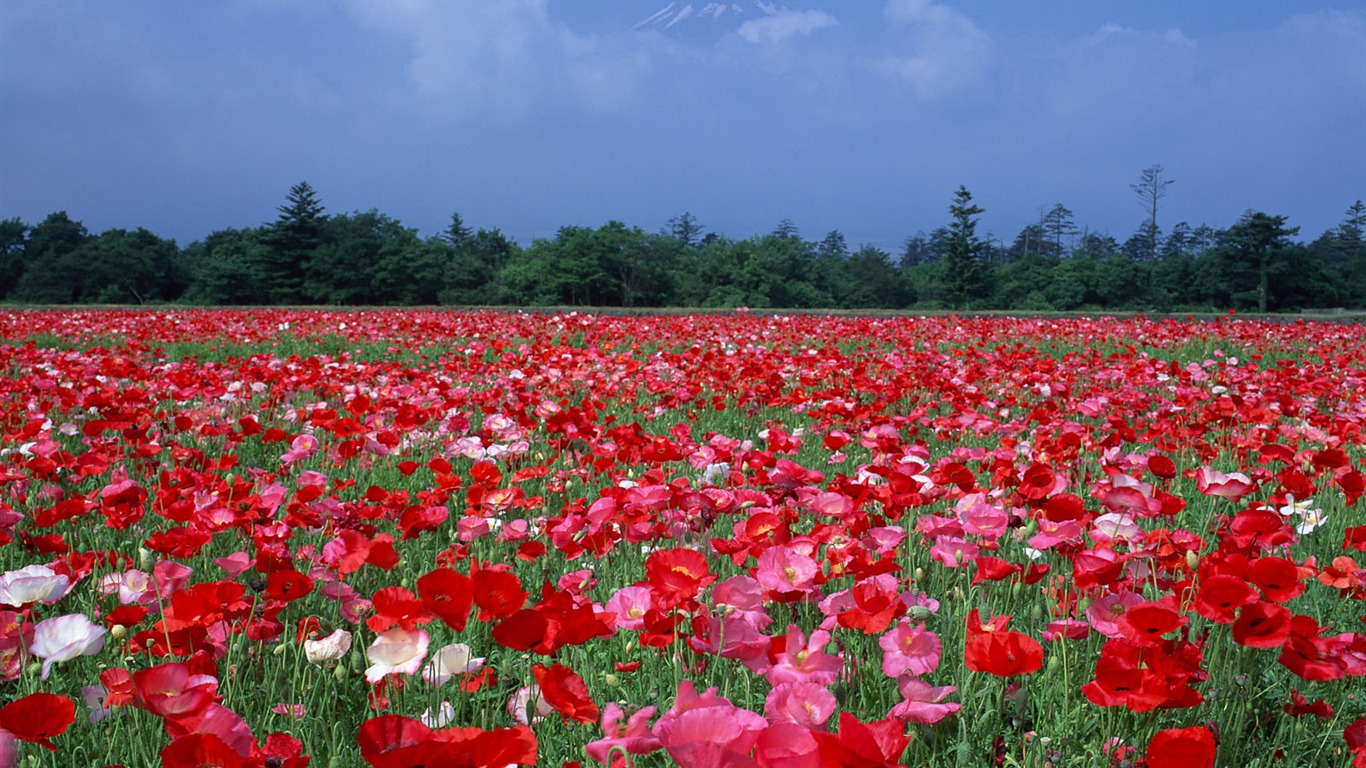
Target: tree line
[307,256]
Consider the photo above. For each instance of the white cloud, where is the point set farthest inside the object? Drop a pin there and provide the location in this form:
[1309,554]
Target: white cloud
[500,59]
[948,52]
[779,25]
[682,14]
[1111,33]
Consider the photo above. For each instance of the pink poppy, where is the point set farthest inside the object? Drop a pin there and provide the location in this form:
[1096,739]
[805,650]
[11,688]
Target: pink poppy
[805,704]
[1104,612]
[630,604]
[804,660]
[923,703]
[64,638]
[909,648]
[396,651]
[32,584]
[633,735]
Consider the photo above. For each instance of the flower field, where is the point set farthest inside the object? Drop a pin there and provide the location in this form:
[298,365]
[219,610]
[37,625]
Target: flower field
[275,538]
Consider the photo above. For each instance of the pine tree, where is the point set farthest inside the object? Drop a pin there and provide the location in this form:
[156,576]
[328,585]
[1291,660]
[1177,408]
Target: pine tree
[964,275]
[290,242]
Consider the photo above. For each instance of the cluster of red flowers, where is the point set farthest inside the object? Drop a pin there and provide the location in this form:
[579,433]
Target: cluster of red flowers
[1153,488]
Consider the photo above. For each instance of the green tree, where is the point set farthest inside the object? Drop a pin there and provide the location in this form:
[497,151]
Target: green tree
[13,242]
[872,282]
[121,267]
[686,229]
[223,268]
[472,274]
[1057,222]
[1255,262]
[290,243]
[922,249]
[1150,190]
[965,275]
[456,233]
[52,270]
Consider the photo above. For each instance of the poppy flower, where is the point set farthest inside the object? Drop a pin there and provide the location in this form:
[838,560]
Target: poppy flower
[1002,653]
[877,744]
[1308,655]
[717,736]
[450,661]
[1146,623]
[287,586]
[922,702]
[448,595]
[64,638]
[330,648]
[806,704]
[1299,706]
[38,717]
[564,690]
[1182,748]
[384,740]
[396,651]
[786,745]
[32,584]
[1355,736]
[497,594]
[1262,625]
[202,750]
[909,648]
[1221,596]
[171,690]
[1277,577]
[677,575]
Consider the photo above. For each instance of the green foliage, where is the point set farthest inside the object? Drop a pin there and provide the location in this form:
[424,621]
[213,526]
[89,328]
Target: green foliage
[223,268]
[1253,268]
[964,273]
[13,241]
[289,243]
[369,258]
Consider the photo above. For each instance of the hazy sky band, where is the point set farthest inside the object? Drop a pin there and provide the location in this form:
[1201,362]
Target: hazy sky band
[530,115]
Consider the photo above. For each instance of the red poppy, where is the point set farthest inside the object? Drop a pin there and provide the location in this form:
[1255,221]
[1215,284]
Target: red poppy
[1220,597]
[1355,736]
[396,605]
[1182,748]
[993,569]
[287,586]
[1307,654]
[1277,577]
[448,594]
[677,575]
[38,717]
[201,750]
[127,615]
[118,682]
[1262,625]
[878,744]
[1146,623]
[392,740]
[498,594]
[170,690]
[564,690]
[1003,653]
[1162,466]
[1355,538]
[1299,706]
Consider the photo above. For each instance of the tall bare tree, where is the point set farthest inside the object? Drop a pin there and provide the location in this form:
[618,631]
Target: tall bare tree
[1150,189]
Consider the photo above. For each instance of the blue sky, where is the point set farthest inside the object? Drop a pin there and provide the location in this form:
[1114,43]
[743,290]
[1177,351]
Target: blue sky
[527,115]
